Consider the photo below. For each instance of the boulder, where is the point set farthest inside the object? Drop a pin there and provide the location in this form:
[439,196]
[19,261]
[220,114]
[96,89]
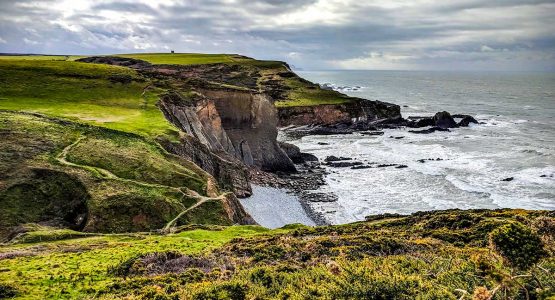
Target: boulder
[444,120]
[466,120]
[332,158]
[344,164]
[429,130]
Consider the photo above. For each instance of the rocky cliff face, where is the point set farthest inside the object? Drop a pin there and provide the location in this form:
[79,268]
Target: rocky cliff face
[226,129]
[358,110]
[250,121]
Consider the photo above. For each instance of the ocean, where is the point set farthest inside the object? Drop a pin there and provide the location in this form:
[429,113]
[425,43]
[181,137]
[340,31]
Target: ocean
[516,139]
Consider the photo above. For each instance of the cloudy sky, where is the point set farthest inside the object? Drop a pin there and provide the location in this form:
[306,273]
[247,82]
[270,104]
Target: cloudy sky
[311,34]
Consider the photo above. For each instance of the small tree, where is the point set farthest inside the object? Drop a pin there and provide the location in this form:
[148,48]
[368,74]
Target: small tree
[518,245]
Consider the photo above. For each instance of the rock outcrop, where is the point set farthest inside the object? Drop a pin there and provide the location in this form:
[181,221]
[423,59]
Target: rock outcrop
[353,112]
[232,124]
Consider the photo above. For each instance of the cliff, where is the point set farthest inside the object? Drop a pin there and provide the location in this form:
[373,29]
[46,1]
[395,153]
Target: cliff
[148,145]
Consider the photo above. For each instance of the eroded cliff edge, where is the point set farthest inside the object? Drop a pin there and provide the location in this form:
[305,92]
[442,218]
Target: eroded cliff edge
[230,113]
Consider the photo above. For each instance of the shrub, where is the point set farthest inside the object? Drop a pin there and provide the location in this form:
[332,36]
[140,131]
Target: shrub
[224,291]
[7,291]
[518,245]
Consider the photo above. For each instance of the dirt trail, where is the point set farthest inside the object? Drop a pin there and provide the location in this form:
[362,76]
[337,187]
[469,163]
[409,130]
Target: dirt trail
[62,158]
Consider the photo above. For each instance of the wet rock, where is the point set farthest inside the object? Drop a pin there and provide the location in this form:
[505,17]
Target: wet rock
[508,179]
[466,120]
[344,164]
[425,122]
[386,165]
[359,167]
[444,120]
[428,159]
[335,158]
[373,133]
[429,130]
[320,197]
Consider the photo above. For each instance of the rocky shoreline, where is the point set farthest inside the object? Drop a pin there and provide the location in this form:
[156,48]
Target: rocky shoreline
[310,172]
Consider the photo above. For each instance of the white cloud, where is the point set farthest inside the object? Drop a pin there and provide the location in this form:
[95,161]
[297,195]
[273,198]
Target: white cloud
[311,33]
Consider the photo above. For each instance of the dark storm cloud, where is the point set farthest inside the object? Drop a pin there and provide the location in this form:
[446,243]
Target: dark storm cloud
[310,33]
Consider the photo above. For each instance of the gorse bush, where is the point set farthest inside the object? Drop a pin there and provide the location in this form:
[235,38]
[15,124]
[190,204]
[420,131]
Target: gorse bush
[518,244]
[7,291]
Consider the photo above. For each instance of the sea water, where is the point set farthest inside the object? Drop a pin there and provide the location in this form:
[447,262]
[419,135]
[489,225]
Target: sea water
[516,139]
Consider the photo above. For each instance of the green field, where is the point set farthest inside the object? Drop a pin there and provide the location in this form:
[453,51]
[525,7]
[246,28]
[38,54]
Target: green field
[41,57]
[85,92]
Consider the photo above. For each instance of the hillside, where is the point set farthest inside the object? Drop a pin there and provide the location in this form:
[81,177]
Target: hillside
[144,141]
[503,254]
[120,178]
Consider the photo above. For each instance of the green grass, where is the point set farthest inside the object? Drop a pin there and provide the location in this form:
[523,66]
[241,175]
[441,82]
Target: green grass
[78,267]
[40,57]
[304,94]
[387,257]
[128,182]
[183,58]
[84,92]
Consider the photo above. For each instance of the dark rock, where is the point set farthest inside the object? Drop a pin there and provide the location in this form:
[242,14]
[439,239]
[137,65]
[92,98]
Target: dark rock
[385,165]
[429,130]
[444,120]
[320,197]
[335,158]
[329,130]
[361,167]
[428,159]
[467,120]
[425,122]
[307,157]
[373,133]
[508,179]
[344,164]
[295,154]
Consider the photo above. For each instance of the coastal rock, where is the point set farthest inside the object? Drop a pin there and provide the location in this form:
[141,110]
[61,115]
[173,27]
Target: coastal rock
[295,154]
[373,133]
[444,120]
[332,158]
[467,120]
[429,130]
[329,114]
[359,167]
[344,164]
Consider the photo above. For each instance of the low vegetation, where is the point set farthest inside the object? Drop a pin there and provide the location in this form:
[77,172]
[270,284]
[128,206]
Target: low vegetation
[386,257]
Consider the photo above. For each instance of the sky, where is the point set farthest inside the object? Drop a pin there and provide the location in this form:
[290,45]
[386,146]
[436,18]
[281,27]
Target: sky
[309,34]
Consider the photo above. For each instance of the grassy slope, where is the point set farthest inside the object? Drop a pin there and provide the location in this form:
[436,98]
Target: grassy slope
[77,267]
[439,255]
[83,92]
[130,183]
